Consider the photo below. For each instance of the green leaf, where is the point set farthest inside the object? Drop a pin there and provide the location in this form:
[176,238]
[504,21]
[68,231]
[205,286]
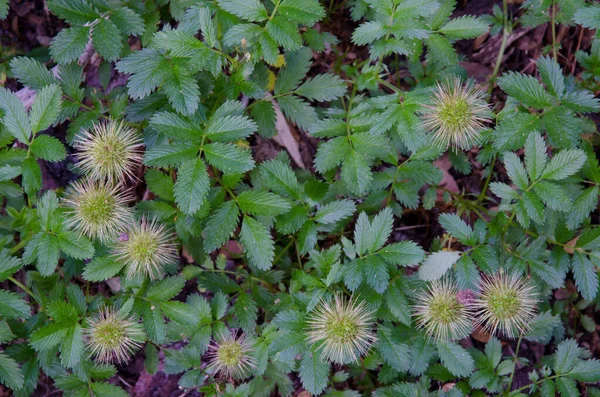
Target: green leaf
[48,148]
[356,173]
[31,73]
[394,353]
[398,305]
[75,245]
[229,158]
[585,276]
[12,306]
[564,164]
[148,68]
[466,273]
[72,347]
[246,311]
[9,265]
[10,374]
[586,371]
[465,27]
[48,336]
[515,170]
[512,131]
[458,228]
[335,211]
[251,10]
[192,185]
[220,225]
[160,184]
[128,21]
[437,264]
[180,312]
[588,17]
[69,44]
[230,128]
[455,358]
[3,9]
[74,12]
[376,273]
[45,108]
[257,243]
[440,51]
[102,389]
[331,153]
[526,89]
[551,75]
[535,156]
[323,87]
[182,90]
[296,66]
[584,204]
[314,373]
[306,12]
[298,111]
[262,203]
[15,117]
[176,126]
[280,178]
[403,253]
[101,269]
[47,254]
[107,39]
[169,155]
[32,176]
[563,127]
[368,32]
[284,33]
[567,354]
[165,289]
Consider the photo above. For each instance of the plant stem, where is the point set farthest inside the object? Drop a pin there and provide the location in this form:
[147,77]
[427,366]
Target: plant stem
[512,375]
[487,181]
[505,34]
[22,286]
[554,30]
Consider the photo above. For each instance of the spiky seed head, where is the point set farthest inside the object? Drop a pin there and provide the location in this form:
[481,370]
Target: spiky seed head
[145,248]
[97,210]
[506,304]
[109,151]
[457,115]
[343,331]
[113,337]
[231,356]
[442,312]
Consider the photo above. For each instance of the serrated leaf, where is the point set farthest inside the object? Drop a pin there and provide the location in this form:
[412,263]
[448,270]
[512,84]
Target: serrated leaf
[182,90]
[335,211]
[455,358]
[165,289]
[15,117]
[515,170]
[220,225]
[31,73]
[535,156]
[12,306]
[229,158]
[106,39]
[192,185]
[69,44]
[551,75]
[71,349]
[306,12]
[314,373]
[356,172]
[280,178]
[258,243]
[437,264]
[526,89]
[262,203]
[101,269]
[251,10]
[403,253]
[394,353]
[564,164]
[323,87]
[48,148]
[464,27]
[458,228]
[585,276]
[10,375]
[246,311]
